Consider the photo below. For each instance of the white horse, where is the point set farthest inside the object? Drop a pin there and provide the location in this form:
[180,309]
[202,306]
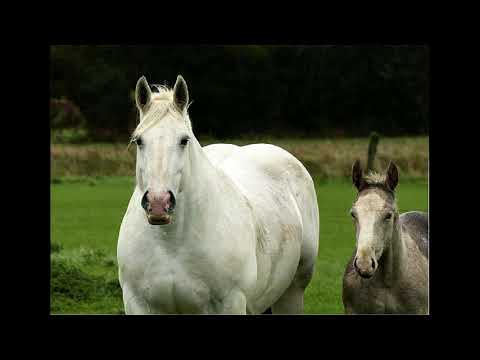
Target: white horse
[216,230]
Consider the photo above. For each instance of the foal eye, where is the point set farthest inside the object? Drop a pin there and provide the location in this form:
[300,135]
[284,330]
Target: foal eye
[184,141]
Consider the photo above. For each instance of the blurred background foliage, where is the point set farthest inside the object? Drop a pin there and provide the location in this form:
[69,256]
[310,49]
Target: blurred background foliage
[244,91]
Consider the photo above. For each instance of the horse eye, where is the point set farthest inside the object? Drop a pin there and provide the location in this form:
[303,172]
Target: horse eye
[388,216]
[138,141]
[352,214]
[184,141]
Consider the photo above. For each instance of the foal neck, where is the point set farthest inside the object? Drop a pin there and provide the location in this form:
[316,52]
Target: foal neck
[394,257]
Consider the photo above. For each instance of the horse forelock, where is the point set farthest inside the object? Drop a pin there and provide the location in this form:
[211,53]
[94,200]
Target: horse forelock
[380,189]
[161,103]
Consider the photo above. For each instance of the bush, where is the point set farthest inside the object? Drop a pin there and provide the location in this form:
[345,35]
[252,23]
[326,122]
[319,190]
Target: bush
[67,123]
[65,114]
[55,247]
[69,136]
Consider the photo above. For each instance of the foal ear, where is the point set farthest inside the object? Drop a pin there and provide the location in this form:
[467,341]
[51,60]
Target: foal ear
[392,176]
[143,93]
[357,174]
[180,93]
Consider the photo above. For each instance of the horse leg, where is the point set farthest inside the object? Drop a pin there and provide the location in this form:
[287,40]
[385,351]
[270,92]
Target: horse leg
[134,305]
[234,304]
[291,301]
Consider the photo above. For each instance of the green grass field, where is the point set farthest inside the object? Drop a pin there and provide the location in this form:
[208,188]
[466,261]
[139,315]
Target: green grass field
[86,216]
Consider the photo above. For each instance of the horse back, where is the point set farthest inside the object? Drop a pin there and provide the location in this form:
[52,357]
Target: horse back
[217,153]
[415,223]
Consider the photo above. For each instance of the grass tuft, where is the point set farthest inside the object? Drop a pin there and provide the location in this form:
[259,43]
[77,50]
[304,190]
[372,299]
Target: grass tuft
[75,286]
[55,247]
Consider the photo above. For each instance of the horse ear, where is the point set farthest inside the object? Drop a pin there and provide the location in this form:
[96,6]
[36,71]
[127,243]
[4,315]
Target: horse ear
[357,174]
[142,93]
[180,93]
[392,176]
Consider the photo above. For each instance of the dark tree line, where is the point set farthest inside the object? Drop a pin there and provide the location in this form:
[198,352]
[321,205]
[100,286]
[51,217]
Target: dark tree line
[245,90]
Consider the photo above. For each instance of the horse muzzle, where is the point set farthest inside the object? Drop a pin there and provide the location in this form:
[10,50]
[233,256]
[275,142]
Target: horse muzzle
[159,207]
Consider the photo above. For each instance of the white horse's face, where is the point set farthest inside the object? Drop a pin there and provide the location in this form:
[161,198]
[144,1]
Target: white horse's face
[374,216]
[162,150]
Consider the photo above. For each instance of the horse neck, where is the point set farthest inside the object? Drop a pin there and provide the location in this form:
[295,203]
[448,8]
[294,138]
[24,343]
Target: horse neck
[199,175]
[394,257]
[200,181]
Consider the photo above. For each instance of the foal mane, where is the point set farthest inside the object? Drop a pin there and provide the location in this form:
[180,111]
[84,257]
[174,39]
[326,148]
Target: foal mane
[374,178]
[161,103]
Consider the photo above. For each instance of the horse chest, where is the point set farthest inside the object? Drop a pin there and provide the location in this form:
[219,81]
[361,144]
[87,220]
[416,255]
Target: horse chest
[165,286]
[172,291]
[176,291]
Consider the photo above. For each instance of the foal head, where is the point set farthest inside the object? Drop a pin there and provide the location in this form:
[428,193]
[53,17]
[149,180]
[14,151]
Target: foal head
[162,138]
[374,214]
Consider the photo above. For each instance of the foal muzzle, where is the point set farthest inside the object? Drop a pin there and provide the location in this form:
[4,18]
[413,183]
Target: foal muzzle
[365,266]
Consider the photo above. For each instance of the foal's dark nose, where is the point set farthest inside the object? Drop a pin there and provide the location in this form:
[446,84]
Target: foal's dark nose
[363,268]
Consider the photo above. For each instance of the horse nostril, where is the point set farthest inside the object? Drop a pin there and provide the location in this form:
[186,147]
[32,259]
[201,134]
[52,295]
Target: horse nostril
[373,264]
[145,201]
[172,201]
[355,263]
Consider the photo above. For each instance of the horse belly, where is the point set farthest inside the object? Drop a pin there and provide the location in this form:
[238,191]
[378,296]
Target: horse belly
[273,181]
[278,256]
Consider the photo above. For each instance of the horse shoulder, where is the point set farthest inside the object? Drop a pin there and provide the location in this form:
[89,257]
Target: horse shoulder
[412,290]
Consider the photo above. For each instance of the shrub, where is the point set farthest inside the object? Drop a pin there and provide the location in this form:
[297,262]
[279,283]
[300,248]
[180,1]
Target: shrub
[55,247]
[67,123]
